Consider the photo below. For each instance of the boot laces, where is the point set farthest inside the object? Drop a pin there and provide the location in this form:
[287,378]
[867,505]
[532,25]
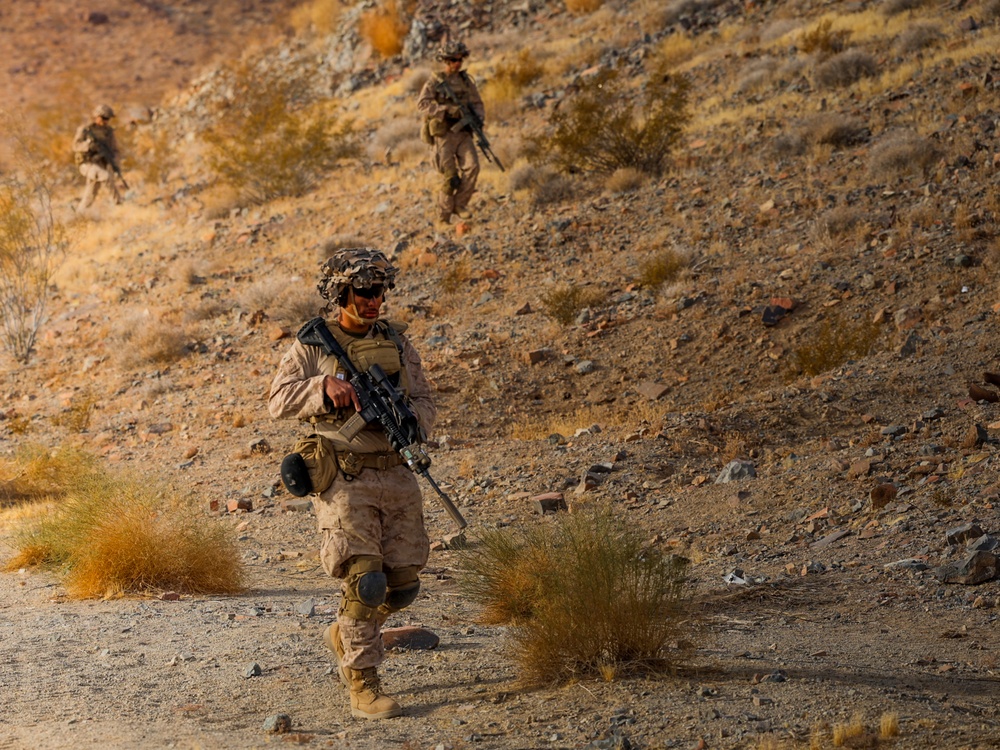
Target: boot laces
[370,678]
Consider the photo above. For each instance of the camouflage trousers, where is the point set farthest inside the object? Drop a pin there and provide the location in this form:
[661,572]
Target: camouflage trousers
[96,176]
[378,513]
[455,157]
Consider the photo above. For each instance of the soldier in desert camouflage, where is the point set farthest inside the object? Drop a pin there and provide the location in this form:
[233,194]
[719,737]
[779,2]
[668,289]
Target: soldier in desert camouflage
[371,516]
[95,151]
[455,156]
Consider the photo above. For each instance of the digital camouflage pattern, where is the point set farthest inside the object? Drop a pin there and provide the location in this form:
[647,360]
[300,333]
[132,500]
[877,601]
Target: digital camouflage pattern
[95,151]
[452,51]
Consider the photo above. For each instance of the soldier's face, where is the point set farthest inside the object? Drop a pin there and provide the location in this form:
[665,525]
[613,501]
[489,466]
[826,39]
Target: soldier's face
[452,66]
[367,302]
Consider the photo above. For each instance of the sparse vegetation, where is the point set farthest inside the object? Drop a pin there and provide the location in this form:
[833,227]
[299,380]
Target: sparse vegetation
[319,17]
[76,417]
[895,7]
[32,245]
[142,340]
[835,341]
[563,302]
[845,68]
[112,535]
[903,154]
[834,130]
[271,144]
[601,129]
[624,180]
[585,596]
[822,40]
[919,36]
[583,6]
[662,268]
[385,27]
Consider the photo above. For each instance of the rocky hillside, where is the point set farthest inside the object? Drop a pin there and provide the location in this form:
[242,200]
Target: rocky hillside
[810,402]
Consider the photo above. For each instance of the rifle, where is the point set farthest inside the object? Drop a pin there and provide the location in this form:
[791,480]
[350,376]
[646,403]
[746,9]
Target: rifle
[106,156]
[381,402]
[470,120]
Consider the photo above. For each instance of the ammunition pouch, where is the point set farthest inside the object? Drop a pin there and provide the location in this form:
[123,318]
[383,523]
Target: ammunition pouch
[425,132]
[311,467]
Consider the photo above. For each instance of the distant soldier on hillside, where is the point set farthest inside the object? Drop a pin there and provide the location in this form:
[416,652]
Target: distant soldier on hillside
[95,151]
[449,130]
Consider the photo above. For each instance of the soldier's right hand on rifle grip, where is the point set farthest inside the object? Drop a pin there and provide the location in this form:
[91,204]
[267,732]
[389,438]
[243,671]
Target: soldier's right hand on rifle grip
[340,392]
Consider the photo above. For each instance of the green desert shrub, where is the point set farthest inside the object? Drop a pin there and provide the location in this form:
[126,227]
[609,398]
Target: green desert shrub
[270,143]
[584,596]
[118,534]
[604,127]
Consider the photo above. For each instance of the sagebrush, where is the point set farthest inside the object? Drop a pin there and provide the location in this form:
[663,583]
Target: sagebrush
[608,127]
[835,341]
[563,302]
[271,143]
[584,596]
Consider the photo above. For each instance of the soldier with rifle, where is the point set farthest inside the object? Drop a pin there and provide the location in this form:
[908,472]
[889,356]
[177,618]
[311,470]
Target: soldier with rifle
[358,381]
[95,152]
[453,115]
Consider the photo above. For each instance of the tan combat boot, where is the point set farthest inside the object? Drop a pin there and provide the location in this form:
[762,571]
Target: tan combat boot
[331,637]
[367,699]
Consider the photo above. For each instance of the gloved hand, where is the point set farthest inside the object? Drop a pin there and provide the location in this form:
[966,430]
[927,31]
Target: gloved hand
[453,111]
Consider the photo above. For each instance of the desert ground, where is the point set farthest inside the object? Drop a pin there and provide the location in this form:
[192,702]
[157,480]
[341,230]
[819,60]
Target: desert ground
[836,185]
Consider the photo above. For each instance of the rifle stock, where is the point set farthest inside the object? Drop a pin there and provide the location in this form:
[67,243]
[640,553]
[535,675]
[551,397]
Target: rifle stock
[381,403]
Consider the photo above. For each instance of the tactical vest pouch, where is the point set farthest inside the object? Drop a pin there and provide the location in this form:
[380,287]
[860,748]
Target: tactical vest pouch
[311,467]
[425,132]
[436,126]
[367,352]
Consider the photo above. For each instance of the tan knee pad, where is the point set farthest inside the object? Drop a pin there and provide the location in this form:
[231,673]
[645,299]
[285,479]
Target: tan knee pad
[366,585]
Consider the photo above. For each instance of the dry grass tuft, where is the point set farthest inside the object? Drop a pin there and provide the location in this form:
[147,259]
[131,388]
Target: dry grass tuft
[919,36]
[36,472]
[903,154]
[834,342]
[112,535]
[845,68]
[584,596]
[514,75]
[385,27]
[835,130]
[562,303]
[663,267]
[624,180]
[545,184]
[139,340]
[822,40]
[888,726]
[76,417]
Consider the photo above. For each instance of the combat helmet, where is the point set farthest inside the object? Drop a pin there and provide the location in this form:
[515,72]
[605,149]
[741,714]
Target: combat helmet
[453,51]
[360,267]
[103,110]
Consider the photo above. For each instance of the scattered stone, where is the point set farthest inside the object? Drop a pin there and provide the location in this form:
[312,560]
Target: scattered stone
[979,567]
[909,563]
[736,470]
[455,540]
[831,538]
[307,608]
[535,356]
[985,543]
[615,740]
[962,534]
[859,469]
[585,367]
[910,346]
[992,378]
[191,452]
[278,333]
[160,428]
[297,505]
[978,393]
[907,318]
[242,503]
[975,437]
[524,309]
[936,413]
[735,577]
[169,596]
[772,315]
[252,670]
[550,502]
[409,638]
[278,724]
[893,430]
[652,391]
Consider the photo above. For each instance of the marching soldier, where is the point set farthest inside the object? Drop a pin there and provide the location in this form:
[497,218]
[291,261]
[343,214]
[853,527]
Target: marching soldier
[95,151]
[455,156]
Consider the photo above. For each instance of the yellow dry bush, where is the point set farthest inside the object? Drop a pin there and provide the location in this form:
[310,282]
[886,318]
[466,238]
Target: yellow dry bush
[584,596]
[583,6]
[835,341]
[318,16]
[385,27]
[35,472]
[113,535]
[562,303]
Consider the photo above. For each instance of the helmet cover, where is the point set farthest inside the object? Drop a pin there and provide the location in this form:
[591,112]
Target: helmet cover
[360,267]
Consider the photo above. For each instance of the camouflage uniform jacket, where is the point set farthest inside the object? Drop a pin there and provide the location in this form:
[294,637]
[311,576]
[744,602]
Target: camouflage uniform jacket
[297,391]
[434,103]
[88,141]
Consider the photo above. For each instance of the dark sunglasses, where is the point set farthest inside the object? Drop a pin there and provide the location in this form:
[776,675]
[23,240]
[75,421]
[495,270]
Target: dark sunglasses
[371,292]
